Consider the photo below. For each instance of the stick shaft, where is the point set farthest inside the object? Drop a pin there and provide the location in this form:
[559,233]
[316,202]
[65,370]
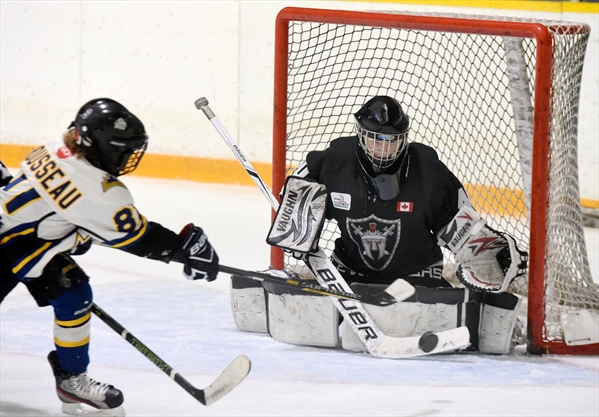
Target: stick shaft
[307,287]
[202,104]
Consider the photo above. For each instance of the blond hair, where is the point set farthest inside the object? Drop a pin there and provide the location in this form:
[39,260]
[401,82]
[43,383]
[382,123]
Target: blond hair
[69,139]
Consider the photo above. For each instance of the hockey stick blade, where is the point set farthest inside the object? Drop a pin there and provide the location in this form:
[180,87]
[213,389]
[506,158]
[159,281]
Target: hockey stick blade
[226,381]
[398,291]
[426,344]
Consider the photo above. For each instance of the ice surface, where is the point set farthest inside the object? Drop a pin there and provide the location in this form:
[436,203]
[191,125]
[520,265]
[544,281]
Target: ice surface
[190,326]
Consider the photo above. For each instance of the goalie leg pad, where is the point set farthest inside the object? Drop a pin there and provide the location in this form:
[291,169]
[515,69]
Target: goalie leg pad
[498,323]
[248,305]
[300,319]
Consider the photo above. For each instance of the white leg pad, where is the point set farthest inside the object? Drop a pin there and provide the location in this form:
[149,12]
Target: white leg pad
[404,320]
[303,320]
[248,306]
[496,329]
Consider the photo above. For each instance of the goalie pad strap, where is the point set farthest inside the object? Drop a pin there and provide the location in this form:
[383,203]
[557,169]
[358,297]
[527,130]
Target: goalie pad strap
[300,217]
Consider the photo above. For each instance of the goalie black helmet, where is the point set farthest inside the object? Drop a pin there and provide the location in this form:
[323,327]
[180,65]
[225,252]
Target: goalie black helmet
[113,138]
[382,127]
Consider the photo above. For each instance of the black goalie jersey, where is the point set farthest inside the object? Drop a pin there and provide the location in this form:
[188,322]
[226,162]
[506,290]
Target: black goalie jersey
[385,240]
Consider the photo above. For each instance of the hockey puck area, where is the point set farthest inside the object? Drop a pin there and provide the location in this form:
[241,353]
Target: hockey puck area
[428,341]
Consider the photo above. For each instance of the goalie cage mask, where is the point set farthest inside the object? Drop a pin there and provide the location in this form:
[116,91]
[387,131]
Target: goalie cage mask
[382,128]
[114,139]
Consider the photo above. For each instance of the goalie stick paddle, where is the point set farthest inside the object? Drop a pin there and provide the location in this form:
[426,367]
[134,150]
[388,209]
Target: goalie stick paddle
[226,381]
[376,342]
[398,291]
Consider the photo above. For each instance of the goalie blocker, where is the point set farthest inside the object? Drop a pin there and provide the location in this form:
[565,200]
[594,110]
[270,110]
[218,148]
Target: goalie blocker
[299,219]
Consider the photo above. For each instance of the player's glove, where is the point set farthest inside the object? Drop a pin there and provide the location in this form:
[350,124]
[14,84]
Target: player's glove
[197,255]
[5,175]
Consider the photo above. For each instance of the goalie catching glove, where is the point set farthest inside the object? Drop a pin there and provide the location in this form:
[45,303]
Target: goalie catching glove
[486,259]
[197,255]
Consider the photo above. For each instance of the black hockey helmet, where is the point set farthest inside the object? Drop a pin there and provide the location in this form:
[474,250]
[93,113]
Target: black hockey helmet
[382,127]
[113,138]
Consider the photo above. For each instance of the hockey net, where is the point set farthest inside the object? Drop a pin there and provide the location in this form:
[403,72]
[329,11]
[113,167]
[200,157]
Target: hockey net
[496,97]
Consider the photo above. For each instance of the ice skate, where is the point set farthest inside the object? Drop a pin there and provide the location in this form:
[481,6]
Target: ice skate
[76,391]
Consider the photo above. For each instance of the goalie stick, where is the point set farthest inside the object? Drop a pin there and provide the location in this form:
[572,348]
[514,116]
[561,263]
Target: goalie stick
[376,342]
[398,291]
[222,385]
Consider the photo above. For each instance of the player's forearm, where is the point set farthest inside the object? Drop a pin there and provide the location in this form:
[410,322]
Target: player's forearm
[157,243]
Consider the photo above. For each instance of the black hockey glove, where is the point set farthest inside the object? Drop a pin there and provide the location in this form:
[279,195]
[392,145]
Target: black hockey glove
[5,175]
[197,255]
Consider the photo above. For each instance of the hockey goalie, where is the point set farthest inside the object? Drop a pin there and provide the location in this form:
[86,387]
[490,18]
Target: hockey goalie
[395,205]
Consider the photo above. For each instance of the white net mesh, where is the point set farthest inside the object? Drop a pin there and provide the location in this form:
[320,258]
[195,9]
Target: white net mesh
[466,98]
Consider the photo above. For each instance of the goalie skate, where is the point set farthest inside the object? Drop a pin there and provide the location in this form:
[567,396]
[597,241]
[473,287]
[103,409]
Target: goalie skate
[78,391]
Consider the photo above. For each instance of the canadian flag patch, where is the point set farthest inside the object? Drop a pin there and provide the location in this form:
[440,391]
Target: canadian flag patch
[405,206]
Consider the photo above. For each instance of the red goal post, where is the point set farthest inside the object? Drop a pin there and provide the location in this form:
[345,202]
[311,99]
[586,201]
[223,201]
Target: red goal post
[497,97]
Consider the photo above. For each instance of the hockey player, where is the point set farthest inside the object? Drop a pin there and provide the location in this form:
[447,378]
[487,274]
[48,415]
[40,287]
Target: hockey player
[395,204]
[67,196]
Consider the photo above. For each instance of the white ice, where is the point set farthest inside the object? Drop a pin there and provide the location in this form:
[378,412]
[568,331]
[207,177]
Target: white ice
[190,326]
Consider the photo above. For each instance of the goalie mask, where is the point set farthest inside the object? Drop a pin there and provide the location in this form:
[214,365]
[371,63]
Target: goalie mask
[382,129]
[113,139]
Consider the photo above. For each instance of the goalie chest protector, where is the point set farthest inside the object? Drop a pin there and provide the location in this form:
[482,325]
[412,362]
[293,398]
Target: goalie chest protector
[386,238]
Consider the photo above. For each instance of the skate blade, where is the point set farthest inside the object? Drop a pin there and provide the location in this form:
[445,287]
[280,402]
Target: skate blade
[77,409]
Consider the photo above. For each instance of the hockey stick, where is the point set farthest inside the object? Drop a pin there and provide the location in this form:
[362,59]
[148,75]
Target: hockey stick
[398,291]
[226,381]
[376,342]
